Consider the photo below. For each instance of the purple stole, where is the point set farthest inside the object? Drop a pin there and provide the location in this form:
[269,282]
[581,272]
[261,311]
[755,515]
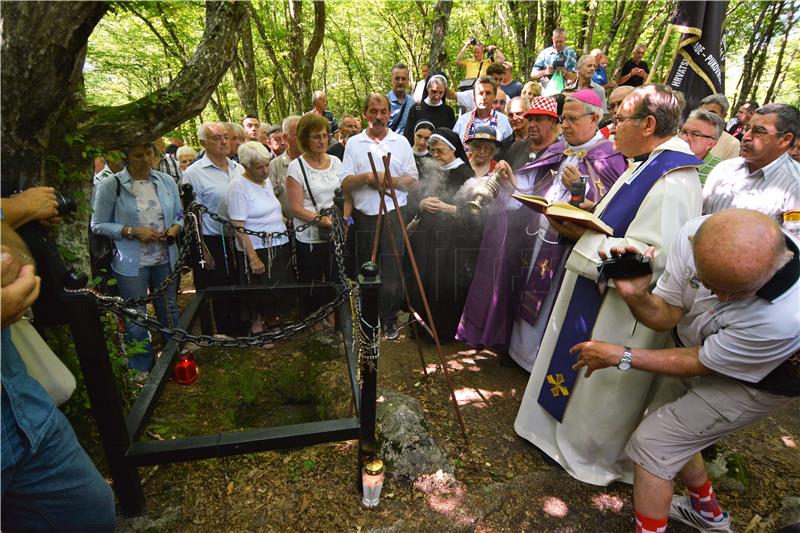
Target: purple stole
[551,258]
[586,299]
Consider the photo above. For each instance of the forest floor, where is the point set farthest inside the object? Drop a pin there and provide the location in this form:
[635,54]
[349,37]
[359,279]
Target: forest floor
[503,482]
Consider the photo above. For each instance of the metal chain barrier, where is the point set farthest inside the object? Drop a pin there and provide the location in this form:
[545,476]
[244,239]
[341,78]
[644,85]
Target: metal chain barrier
[368,352]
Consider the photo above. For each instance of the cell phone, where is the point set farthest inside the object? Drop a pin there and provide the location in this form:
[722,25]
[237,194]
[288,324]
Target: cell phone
[627,265]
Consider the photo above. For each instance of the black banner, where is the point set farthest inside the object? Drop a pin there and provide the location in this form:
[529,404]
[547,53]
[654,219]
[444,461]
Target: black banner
[698,67]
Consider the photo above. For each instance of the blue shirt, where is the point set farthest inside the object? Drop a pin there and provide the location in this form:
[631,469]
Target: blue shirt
[397,120]
[600,77]
[112,213]
[547,57]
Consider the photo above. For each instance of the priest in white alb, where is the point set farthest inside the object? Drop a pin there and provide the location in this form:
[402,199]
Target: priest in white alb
[584,424]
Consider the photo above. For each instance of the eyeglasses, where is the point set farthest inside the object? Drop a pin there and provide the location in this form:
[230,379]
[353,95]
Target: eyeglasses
[573,120]
[437,151]
[696,135]
[613,105]
[619,119]
[760,131]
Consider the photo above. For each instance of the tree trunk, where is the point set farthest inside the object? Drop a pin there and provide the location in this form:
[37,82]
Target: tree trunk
[583,26]
[550,20]
[629,41]
[50,135]
[779,62]
[524,18]
[745,81]
[441,19]
[587,46]
[761,60]
[616,22]
[243,70]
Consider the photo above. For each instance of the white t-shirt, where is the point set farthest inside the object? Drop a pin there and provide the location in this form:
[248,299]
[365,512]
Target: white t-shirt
[323,184]
[744,339]
[258,207]
[356,161]
[152,216]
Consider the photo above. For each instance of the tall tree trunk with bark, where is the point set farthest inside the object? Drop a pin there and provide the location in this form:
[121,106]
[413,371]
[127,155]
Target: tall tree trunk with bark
[594,7]
[755,44]
[632,33]
[50,134]
[437,60]
[779,62]
[616,22]
[524,20]
[550,20]
[769,33]
[243,70]
[583,26]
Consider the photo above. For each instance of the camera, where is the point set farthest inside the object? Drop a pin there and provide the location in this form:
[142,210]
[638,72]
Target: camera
[627,265]
[473,40]
[490,52]
[66,204]
[560,61]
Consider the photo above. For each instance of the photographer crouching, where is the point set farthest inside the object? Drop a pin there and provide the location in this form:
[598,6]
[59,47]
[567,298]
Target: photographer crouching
[48,481]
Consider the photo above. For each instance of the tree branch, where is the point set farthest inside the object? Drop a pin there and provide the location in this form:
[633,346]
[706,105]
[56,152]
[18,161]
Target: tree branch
[183,98]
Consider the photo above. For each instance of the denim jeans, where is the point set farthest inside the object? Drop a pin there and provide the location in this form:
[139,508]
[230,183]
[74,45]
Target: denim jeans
[54,487]
[165,305]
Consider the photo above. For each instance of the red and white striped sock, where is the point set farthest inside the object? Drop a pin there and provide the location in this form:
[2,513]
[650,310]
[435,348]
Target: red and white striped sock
[645,524]
[704,501]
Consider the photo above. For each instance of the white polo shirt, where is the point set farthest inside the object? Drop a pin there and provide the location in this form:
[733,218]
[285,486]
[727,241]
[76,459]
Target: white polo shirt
[210,184]
[743,339]
[356,161]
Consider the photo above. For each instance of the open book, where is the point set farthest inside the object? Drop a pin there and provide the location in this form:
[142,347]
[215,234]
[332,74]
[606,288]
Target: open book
[561,211]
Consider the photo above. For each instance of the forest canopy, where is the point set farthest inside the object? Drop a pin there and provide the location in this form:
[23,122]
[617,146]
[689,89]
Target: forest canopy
[346,48]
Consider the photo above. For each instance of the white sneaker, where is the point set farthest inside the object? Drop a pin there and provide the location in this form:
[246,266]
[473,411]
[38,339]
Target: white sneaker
[682,511]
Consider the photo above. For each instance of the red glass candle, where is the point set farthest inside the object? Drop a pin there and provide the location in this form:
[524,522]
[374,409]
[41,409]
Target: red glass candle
[186,369]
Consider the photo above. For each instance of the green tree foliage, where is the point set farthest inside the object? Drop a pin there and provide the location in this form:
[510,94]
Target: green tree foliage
[140,46]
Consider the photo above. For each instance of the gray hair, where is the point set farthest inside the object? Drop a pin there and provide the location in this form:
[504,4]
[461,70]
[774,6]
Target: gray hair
[709,118]
[202,130]
[587,108]
[720,99]
[584,58]
[288,121]
[237,128]
[662,103]
[559,31]
[316,96]
[185,150]
[787,118]
[596,52]
[252,152]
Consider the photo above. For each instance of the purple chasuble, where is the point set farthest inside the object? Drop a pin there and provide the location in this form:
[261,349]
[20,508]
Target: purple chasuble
[586,300]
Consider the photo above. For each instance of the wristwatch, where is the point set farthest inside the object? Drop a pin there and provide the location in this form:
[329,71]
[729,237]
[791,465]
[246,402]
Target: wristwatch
[128,234]
[625,363]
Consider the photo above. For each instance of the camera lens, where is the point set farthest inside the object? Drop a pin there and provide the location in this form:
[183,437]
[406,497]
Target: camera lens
[66,204]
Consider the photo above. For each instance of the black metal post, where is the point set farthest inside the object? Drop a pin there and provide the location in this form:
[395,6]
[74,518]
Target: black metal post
[198,274]
[90,344]
[369,283]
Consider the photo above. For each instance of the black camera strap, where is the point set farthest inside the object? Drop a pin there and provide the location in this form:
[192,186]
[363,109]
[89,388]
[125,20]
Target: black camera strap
[308,186]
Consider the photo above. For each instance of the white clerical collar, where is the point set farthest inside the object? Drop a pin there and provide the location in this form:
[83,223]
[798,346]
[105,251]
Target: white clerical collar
[588,144]
[428,101]
[455,163]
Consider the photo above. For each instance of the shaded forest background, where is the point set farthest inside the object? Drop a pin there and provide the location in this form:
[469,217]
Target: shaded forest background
[287,50]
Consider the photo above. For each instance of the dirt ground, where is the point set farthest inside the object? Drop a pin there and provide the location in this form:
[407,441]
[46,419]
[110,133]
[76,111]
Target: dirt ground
[504,483]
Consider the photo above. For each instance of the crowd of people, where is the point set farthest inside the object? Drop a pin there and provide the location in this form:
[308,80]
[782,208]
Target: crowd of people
[704,345]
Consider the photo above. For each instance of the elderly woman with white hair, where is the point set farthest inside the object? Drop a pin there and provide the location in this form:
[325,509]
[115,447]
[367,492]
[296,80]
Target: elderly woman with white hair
[432,109]
[185,156]
[252,205]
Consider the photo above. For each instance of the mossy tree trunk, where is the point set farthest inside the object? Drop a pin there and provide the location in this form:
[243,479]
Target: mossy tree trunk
[49,133]
[441,19]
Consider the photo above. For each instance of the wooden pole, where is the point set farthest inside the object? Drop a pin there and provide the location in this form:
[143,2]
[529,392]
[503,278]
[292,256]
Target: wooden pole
[659,55]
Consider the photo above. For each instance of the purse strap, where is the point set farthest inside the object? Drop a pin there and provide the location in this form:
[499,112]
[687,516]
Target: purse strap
[308,186]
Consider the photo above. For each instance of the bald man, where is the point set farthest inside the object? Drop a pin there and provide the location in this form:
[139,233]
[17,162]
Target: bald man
[614,100]
[730,290]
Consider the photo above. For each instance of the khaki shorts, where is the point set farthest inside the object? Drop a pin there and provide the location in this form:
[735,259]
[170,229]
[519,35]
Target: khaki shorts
[712,407]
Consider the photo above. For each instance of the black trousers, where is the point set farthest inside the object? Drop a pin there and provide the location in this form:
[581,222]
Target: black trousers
[390,297]
[267,307]
[315,262]
[225,273]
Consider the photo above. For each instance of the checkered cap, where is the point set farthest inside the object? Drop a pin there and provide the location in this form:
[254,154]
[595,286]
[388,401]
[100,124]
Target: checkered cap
[543,105]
